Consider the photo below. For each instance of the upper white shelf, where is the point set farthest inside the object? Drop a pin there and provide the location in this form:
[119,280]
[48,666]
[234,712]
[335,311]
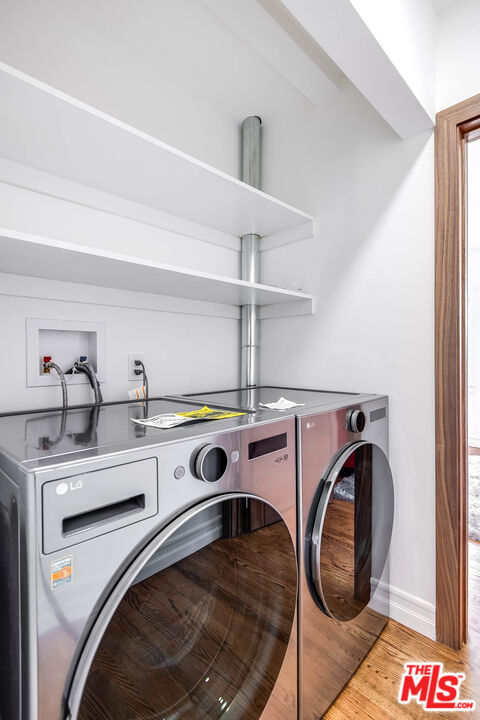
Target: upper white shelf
[54,132]
[25,254]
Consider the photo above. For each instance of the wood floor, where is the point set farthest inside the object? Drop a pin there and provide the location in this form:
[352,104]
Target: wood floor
[372,692]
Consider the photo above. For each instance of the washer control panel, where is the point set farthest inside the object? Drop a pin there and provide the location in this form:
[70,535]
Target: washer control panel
[210,463]
[179,472]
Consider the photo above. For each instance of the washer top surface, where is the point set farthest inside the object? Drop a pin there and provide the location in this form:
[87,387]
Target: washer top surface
[41,439]
[254,397]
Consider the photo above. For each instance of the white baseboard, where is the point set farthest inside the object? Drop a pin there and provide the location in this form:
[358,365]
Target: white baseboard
[405,608]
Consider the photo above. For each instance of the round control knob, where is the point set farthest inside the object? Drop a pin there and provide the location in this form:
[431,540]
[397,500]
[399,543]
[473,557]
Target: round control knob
[355,421]
[211,463]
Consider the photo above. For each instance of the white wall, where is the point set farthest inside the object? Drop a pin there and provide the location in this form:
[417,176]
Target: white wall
[385,49]
[458,73]
[405,29]
[182,351]
[372,270]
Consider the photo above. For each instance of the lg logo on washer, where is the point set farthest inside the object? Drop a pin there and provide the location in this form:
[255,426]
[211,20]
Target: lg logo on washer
[64,487]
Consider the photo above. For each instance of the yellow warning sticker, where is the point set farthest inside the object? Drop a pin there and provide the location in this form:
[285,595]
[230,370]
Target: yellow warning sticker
[206,413]
[61,571]
[171,420]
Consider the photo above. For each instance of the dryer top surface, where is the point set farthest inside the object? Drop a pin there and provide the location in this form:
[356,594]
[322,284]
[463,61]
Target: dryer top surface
[320,400]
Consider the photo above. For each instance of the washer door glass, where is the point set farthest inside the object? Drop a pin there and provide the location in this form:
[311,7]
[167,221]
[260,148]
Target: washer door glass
[350,531]
[203,629]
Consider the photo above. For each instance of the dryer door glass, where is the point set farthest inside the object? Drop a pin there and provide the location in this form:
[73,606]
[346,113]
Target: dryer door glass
[203,630]
[351,531]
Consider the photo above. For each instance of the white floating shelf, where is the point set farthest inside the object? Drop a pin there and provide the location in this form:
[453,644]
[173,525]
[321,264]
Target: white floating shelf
[25,254]
[47,129]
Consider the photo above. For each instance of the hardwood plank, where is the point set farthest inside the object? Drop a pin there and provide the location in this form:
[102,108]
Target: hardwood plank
[372,692]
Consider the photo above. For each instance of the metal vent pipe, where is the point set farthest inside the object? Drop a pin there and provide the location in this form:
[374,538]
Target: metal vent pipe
[250,254]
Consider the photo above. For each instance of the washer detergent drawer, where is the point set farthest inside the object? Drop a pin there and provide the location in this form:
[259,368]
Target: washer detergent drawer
[83,506]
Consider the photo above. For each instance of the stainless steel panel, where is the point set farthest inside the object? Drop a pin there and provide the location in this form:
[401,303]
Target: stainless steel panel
[81,507]
[64,617]
[330,651]
[43,440]
[248,397]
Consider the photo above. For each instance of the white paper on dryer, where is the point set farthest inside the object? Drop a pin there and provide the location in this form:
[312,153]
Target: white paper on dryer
[282,404]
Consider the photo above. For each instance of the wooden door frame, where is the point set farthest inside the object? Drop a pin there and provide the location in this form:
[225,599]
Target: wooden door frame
[455,127]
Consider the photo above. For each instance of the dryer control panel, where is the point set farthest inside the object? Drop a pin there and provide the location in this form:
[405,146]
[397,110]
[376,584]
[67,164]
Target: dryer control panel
[355,421]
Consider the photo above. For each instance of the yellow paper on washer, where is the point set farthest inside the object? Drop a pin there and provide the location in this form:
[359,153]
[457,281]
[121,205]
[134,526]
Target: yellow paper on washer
[171,420]
[206,413]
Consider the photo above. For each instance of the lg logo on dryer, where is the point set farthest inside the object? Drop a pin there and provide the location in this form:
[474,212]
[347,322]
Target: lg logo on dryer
[64,487]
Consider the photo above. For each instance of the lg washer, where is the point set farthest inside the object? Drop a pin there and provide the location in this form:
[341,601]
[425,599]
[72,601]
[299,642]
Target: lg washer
[146,572]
